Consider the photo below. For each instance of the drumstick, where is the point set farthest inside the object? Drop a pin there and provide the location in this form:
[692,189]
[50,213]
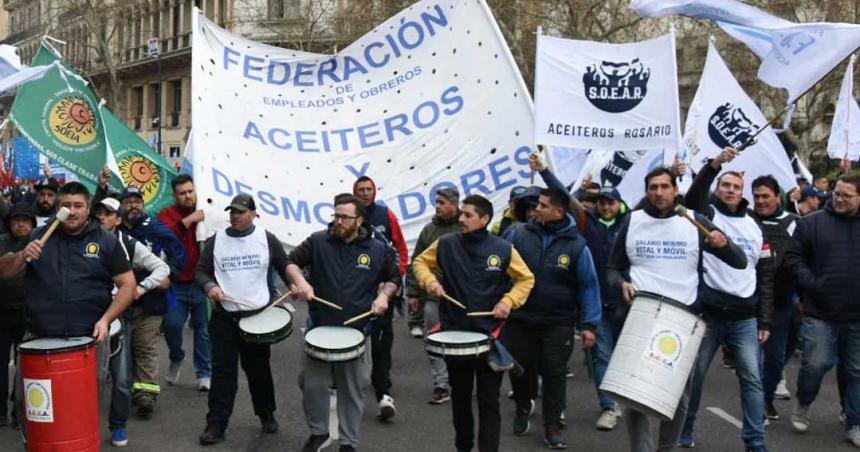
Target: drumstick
[480,314]
[278,301]
[61,216]
[448,297]
[682,211]
[359,317]
[327,303]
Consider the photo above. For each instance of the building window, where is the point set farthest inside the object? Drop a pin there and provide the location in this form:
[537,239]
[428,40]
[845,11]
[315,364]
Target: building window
[138,107]
[176,93]
[281,9]
[174,152]
[156,104]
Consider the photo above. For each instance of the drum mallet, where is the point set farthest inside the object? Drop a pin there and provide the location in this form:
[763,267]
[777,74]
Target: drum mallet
[682,211]
[359,317]
[448,297]
[480,314]
[327,303]
[61,216]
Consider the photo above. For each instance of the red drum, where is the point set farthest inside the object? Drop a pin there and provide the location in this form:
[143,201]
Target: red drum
[60,394]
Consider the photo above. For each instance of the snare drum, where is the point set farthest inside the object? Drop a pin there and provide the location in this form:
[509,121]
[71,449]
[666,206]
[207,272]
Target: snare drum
[334,344]
[457,344]
[267,327]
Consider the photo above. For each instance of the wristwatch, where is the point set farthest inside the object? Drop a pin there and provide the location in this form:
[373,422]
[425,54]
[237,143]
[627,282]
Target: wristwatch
[146,285]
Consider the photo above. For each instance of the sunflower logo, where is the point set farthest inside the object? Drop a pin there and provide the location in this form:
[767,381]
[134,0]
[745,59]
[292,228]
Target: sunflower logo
[142,173]
[666,347]
[91,250]
[493,263]
[71,121]
[363,261]
[563,260]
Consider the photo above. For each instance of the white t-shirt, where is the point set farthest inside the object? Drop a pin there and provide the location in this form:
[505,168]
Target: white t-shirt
[241,269]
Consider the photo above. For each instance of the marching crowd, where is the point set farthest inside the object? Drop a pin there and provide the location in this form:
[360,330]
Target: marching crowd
[770,278]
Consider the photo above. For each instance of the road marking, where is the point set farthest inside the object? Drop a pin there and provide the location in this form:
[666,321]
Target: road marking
[725,416]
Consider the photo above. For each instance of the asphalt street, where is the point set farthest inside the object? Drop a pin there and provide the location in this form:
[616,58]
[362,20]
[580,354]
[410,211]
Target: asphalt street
[181,410]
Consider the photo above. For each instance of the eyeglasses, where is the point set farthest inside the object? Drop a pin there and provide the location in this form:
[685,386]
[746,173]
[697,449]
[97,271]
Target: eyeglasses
[344,218]
[837,194]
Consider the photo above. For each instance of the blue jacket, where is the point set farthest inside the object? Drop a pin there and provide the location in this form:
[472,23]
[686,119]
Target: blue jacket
[565,278]
[158,238]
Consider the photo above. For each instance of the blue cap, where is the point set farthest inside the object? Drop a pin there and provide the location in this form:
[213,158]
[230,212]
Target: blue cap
[609,193]
[516,192]
[129,191]
[809,191]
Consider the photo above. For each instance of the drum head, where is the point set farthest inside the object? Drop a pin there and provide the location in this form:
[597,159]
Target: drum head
[334,337]
[266,322]
[457,337]
[115,326]
[44,345]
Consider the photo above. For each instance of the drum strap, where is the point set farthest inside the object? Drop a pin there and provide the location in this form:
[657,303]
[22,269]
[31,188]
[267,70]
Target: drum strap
[498,331]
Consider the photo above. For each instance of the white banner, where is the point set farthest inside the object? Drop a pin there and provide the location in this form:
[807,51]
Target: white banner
[431,98]
[845,132]
[623,170]
[594,95]
[729,11]
[721,115]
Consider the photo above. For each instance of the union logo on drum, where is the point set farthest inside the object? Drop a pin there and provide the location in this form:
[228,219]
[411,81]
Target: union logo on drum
[616,87]
[666,348]
[37,395]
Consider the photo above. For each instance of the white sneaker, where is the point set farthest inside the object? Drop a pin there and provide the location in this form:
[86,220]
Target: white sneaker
[781,392]
[173,372]
[204,384]
[853,436]
[609,418]
[386,408]
[416,331]
[800,419]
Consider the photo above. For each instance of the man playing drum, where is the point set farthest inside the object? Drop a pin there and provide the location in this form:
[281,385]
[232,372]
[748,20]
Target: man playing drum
[478,269]
[234,269]
[661,251]
[358,273]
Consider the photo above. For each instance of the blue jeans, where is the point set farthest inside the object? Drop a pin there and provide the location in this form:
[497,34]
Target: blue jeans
[742,337]
[823,344]
[120,375]
[608,332]
[189,300]
[774,351]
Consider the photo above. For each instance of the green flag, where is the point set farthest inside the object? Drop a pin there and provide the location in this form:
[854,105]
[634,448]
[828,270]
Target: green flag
[57,113]
[138,164]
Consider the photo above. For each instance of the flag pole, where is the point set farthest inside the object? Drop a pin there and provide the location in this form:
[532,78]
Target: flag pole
[538,32]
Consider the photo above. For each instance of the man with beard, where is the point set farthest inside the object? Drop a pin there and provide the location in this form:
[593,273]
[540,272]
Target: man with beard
[674,275]
[485,273]
[149,308]
[737,303]
[46,199]
[13,295]
[423,307]
[109,214]
[182,218]
[540,334]
[383,220]
[234,269]
[358,273]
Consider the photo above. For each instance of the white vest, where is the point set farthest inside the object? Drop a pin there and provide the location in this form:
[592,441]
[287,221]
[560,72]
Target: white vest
[664,256]
[720,276]
[241,269]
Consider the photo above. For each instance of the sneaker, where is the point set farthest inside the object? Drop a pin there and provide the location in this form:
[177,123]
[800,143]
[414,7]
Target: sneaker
[552,438]
[270,425]
[561,421]
[416,332]
[204,384]
[800,419]
[386,408]
[118,437]
[213,434]
[781,392]
[522,423]
[770,412]
[728,358]
[608,418]
[569,374]
[853,436]
[173,372]
[511,394]
[345,448]
[440,396]
[316,443]
[145,406]
[686,440]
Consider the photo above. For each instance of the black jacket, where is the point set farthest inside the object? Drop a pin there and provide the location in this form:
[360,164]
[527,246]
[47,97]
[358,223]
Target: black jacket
[347,274]
[13,292]
[600,239]
[717,303]
[777,230]
[825,255]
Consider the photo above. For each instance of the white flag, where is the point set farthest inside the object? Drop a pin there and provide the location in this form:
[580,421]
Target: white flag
[622,170]
[729,11]
[594,95]
[845,132]
[723,115]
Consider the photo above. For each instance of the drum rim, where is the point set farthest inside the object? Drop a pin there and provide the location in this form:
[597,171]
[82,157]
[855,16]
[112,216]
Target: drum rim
[360,347]
[50,351]
[285,330]
[485,340]
[288,325]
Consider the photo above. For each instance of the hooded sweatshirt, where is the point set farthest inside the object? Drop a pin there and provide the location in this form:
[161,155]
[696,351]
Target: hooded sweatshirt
[383,220]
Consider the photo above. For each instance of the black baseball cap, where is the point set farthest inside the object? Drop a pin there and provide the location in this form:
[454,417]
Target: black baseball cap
[609,193]
[242,203]
[516,192]
[129,191]
[48,182]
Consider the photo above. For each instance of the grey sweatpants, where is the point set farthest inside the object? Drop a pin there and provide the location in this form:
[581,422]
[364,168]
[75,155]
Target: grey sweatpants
[351,380]
[438,369]
[639,427]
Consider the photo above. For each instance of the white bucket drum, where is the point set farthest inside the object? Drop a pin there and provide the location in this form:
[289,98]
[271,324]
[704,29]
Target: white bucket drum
[457,344]
[334,344]
[654,355]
